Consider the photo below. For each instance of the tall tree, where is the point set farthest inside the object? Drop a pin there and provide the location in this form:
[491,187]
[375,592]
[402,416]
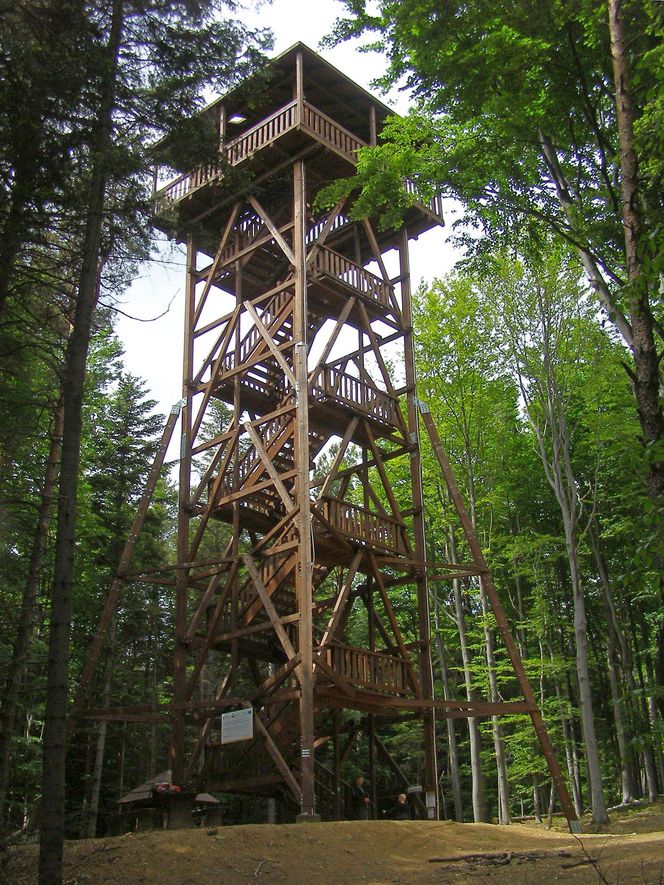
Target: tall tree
[535,319]
[520,112]
[152,60]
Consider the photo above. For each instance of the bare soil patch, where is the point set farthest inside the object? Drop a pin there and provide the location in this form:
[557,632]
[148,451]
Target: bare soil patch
[631,850]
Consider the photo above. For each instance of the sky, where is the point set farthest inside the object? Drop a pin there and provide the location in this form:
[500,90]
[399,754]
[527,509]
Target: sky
[153,347]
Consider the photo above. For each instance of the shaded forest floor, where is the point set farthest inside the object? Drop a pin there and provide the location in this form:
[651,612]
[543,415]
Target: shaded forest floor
[630,850]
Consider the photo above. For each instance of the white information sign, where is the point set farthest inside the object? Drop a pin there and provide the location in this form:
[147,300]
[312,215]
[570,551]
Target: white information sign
[237,726]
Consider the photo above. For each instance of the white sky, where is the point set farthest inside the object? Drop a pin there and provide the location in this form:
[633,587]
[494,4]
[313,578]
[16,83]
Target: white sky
[153,350]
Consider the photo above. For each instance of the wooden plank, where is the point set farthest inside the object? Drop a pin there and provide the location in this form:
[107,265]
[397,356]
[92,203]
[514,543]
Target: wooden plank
[208,594]
[339,680]
[342,598]
[394,624]
[327,350]
[279,760]
[113,597]
[215,264]
[322,236]
[269,341]
[269,606]
[269,466]
[271,226]
[499,614]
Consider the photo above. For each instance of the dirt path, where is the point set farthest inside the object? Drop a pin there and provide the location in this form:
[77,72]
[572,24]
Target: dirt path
[375,853]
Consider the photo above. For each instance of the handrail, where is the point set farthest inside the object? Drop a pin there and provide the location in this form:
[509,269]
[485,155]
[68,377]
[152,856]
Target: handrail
[333,383]
[263,133]
[253,337]
[249,460]
[369,668]
[435,204]
[266,131]
[333,264]
[237,150]
[332,132]
[260,135]
[364,526]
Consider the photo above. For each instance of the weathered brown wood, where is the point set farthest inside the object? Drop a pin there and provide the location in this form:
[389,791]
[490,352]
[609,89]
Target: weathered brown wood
[339,325]
[501,620]
[225,685]
[269,607]
[274,350]
[280,275]
[323,235]
[279,760]
[274,230]
[206,598]
[343,684]
[394,625]
[113,597]
[215,264]
[341,601]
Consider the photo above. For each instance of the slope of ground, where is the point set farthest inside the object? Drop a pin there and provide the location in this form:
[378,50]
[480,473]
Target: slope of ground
[631,850]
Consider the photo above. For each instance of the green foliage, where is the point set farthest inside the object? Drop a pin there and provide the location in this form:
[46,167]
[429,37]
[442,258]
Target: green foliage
[480,349]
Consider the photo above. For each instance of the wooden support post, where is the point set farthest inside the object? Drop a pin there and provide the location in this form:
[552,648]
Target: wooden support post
[423,614]
[303,574]
[181,593]
[336,738]
[113,597]
[501,622]
[279,760]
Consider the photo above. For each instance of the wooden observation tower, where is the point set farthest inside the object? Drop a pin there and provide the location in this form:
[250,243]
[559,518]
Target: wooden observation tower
[290,330]
[294,538]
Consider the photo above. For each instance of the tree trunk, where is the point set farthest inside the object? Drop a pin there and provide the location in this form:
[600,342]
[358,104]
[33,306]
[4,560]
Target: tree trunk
[623,732]
[89,829]
[52,830]
[646,376]
[600,815]
[569,742]
[27,615]
[504,816]
[537,803]
[479,805]
[595,277]
[560,476]
[616,651]
[452,744]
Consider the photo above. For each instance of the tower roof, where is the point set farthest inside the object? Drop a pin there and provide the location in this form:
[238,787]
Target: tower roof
[324,85]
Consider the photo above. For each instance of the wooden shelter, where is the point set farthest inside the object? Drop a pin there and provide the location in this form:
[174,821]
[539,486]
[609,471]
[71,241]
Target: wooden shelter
[295,541]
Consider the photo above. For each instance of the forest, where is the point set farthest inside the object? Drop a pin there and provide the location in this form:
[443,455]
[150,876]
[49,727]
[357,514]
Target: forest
[539,358]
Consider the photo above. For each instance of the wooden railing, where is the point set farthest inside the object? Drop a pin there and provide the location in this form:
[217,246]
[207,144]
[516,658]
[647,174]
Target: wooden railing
[237,475]
[315,231]
[331,263]
[262,134]
[253,337]
[332,383]
[368,668]
[187,183]
[435,205]
[332,133]
[247,230]
[364,526]
[259,136]
[265,133]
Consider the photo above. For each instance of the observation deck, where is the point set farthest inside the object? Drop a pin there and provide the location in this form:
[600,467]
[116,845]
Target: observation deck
[277,114]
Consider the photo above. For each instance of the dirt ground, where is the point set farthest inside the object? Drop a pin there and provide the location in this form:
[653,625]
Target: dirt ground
[631,850]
